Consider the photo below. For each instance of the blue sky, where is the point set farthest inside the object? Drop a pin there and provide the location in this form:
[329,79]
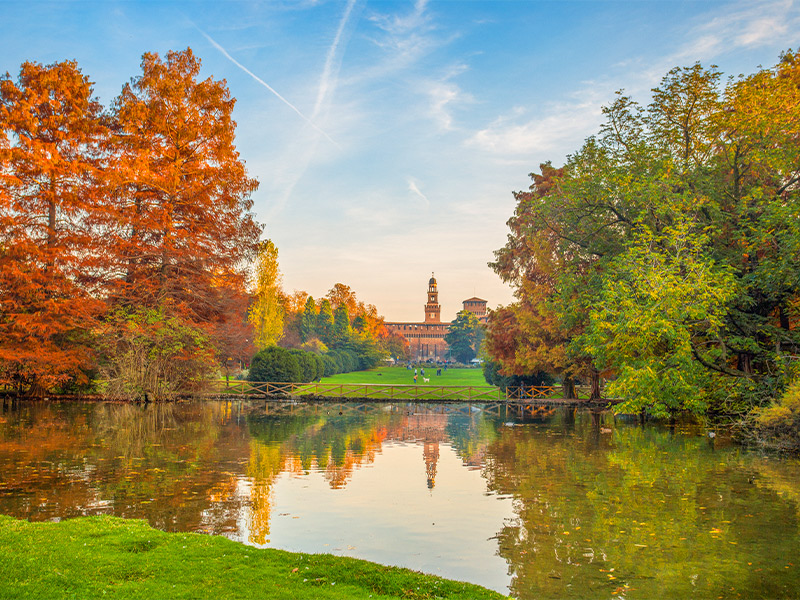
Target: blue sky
[388,136]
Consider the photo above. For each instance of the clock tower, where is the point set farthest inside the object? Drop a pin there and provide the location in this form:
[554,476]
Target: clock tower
[432,308]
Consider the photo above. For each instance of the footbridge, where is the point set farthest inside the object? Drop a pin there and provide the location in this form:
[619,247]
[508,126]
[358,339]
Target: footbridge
[545,395]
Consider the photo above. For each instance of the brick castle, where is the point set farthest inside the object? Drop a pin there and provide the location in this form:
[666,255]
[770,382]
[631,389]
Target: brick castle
[426,339]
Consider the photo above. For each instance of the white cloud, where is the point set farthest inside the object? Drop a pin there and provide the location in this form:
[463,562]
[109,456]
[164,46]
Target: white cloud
[552,129]
[742,25]
[561,128]
[444,95]
[414,189]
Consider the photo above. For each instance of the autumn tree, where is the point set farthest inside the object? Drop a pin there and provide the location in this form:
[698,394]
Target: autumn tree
[184,221]
[342,295]
[528,336]
[665,250]
[234,337]
[396,346]
[181,234]
[266,312]
[293,305]
[52,144]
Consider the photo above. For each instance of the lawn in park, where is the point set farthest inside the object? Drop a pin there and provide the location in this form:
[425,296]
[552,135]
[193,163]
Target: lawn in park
[401,376]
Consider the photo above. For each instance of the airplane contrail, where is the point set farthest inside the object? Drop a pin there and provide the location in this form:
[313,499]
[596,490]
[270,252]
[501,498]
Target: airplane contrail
[326,72]
[266,85]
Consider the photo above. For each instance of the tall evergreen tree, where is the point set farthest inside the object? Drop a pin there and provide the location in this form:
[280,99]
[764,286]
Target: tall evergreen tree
[325,321]
[308,322]
[341,326]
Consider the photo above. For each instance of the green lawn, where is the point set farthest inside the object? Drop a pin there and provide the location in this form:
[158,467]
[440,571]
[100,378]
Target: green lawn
[402,376]
[107,557]
[390,383]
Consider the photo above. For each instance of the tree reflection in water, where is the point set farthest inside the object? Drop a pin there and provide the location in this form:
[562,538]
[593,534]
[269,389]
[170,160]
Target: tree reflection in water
[601,508]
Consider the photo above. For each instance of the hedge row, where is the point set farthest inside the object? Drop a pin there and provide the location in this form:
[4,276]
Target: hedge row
[300,366]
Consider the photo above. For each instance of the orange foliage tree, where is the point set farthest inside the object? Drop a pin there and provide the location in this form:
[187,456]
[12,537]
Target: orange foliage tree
[137,220]
[52,137]
[528,336]
[183,229]
[181,233]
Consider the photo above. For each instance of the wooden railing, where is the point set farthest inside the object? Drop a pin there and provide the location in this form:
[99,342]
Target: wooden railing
[544,392]
[374,391]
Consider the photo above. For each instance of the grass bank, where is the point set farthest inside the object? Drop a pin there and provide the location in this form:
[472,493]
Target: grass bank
[108,557]
[403,376]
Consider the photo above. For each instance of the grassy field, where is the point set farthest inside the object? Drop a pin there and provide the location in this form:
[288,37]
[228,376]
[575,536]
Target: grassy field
[107,557]
[402,376]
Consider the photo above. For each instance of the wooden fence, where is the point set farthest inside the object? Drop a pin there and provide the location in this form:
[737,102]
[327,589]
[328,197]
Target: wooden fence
[374,391]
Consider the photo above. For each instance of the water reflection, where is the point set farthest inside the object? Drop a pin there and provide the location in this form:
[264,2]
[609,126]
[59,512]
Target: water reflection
[541,504]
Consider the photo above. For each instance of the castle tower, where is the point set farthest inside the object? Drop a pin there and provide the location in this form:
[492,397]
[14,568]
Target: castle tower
[432,308]
[476,306]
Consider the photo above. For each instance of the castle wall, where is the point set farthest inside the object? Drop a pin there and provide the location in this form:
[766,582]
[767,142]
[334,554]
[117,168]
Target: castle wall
[425,340]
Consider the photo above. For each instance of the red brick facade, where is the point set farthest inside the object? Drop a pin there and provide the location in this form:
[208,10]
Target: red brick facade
[426,339]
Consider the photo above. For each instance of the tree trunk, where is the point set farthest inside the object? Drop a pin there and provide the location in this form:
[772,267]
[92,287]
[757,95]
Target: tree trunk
[595,385]
[568,384]
[745,363]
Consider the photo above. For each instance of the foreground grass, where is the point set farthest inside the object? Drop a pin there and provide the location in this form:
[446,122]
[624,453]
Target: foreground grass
[108,557]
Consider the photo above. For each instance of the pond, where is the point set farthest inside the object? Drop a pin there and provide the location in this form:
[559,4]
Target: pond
[544,504]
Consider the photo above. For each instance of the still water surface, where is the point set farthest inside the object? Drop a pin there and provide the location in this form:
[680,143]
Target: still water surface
[557,504]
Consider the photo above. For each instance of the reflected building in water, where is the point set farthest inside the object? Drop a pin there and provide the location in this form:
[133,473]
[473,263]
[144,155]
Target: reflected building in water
[430,430]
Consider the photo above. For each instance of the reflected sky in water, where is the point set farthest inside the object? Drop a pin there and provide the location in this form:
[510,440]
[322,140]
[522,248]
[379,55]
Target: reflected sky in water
[387,513]
[545,504]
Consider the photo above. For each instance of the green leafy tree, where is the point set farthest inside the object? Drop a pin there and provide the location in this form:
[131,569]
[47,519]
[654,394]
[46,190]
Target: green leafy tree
[153,354]
[666,304]
[665,251]
[465,336]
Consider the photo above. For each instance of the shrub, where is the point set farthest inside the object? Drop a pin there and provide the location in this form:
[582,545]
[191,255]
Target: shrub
[492,375]
[350,361]
[149,353]
[331,365]
[307,364]
[320,365]
[778,426]
[275,364]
